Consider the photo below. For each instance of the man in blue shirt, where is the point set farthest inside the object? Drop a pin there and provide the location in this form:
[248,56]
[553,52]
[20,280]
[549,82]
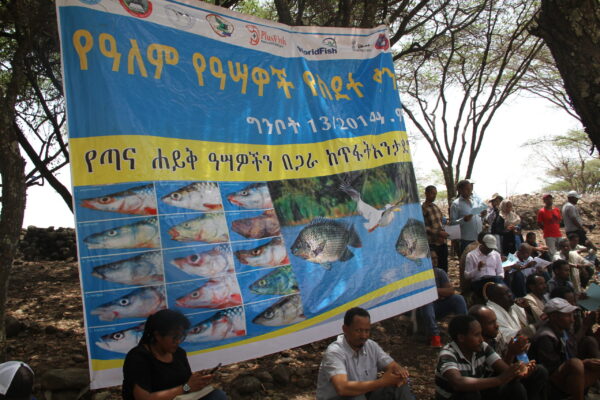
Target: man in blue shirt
[462,213]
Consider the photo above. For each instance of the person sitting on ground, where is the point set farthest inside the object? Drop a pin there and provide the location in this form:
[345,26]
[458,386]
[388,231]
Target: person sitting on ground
[461,213]
[484,265]
[537,250]
[462,366]
[16,381]
[513,317]
[586,267]
[571,257]
[520,270]
[350,365]
[465,284]
[157,368]
[511,237]
[447,303]
[535,383]
[569,375]
[548,219]
[537,296]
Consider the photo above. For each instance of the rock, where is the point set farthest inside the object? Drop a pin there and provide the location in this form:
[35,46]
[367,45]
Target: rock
[247,384]
[305,383]
[50,329]
[285,360]
[100,395]
[67,378]
[79,358]
[69,394]
[264,376]
[13,326]
[281,374]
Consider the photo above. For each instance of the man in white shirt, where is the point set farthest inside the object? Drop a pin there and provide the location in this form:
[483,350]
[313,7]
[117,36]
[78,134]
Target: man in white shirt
[511,318]
[484,264]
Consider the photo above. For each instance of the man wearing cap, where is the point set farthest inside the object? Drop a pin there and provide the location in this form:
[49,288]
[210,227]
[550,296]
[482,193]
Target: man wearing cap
[571,218]
[484,265]
[553,348]
[16,381]
[461,213]
[436,235]
[548,219]
[495,223]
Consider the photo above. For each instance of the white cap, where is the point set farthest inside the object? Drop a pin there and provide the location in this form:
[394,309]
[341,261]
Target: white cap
[490,242]
[7,373]
[560,305]
[573,193]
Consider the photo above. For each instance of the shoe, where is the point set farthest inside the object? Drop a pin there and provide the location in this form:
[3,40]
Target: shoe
[436,341]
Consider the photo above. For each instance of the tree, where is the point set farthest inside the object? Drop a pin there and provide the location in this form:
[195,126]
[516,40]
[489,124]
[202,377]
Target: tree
[570,29]
[566,158]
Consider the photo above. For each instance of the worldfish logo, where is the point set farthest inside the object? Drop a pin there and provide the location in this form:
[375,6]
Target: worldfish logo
[317,52]
[220,25]
[257,36]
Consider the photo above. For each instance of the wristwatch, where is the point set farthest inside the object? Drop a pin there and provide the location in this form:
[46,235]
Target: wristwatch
[186,388]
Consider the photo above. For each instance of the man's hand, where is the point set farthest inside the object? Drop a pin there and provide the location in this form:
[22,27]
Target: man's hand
[510,373]
[527,369]
[467,218]
[530,264]
[480,265]
[593,363]
[443,234]
[401,372]
[198,381]
[390,378]
[518,345]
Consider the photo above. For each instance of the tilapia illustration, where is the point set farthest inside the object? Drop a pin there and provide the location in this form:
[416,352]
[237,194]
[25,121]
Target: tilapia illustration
[271,254]
[209,228]
[265,225]
[324,241]
[208,264]
[143,269]
[201,196]
[281,281]
[139,200]
[223,324]
[219,292]
[140,303]
[412,242]
[122,341]
[141,234]
[252,196]
[285,312]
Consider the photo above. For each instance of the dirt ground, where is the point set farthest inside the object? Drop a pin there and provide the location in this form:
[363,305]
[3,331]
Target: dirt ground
[45,297]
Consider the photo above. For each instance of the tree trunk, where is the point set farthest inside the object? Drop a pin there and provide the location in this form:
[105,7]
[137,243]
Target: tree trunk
[571,29]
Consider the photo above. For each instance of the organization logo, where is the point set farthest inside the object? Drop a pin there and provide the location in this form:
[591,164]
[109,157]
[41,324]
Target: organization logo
[329,47]
[382,42]
[179,17]
[137,8]
[257,36]
[220,25]
[357,46]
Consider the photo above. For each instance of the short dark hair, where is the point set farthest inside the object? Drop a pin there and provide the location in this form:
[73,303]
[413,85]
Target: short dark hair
[351,313]
[572,236]
[460,325]
[21,385]
[561,291]
[530,281]
[462,184]
[481,235]
[430,188]
[562,241]
[530,234]
[558,263]
[163,322]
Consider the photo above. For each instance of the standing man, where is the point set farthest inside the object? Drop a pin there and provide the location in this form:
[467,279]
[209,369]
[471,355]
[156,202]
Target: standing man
[436,235]
[461,212]
[573,222]
[350,365]
[548,219]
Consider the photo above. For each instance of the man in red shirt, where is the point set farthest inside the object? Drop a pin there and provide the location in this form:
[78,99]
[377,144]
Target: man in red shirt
[548,219]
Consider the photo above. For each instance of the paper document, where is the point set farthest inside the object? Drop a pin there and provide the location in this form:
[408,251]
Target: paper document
[592,303]
[453,231]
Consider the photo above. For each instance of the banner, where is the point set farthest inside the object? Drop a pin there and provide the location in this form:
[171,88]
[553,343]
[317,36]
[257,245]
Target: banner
[252,175]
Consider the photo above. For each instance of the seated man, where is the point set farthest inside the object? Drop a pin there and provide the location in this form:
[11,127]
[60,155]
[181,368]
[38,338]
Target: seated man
[535,383]
[350,365]
[537,295]
[447,303]
[537,250]
[561,271]
[564,253]
[461,371]
[484,265]
[569,376]
[512,318]
[16,381]
[586,267]
[519,271]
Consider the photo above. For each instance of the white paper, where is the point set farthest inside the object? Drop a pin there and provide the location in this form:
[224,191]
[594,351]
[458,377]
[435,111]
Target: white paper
[453,231]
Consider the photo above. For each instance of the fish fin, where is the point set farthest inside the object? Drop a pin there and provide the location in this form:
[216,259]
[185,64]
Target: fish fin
[240,332]
[346,255]
[285,261]
[327,266]
[354,239]
[213,206]
[150,211]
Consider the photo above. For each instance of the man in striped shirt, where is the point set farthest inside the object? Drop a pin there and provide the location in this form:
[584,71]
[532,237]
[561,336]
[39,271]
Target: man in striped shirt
[462,364]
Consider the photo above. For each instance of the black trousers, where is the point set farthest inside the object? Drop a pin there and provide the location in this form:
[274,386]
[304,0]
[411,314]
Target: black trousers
[442,254]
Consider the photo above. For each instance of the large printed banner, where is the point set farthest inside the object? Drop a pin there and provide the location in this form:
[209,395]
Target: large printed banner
[254,176]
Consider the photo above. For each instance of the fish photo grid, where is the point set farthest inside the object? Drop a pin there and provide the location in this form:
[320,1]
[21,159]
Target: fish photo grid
[241,259]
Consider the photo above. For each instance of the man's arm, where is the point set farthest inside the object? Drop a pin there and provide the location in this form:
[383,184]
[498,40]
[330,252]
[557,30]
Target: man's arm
[455,218]
[470,267]
[540,222]
[467,384]
[446,290]
[344,387]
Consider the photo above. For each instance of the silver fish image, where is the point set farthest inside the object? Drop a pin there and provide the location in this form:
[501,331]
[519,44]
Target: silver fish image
[201,196]
[271,254]
[143,269]
[265,225]
[224,324]
[280,281]
[141,234]
[285,312]
[208,264]
[324,241]
[139,200]
[252,196]
[208,228]
[140,303]
[412,242]
[219,292]
[122,341]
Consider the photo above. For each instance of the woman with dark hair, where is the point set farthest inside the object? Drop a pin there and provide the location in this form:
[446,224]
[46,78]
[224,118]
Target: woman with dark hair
[16,381]
[157,368]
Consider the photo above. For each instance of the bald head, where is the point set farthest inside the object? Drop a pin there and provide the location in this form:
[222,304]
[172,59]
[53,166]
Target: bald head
[487,320]
[500,294]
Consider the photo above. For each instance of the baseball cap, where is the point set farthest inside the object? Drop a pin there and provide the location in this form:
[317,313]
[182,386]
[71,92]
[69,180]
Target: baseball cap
[495,196]
[560,305]
[573,193]
[546,195]
[8,371]
[490,242]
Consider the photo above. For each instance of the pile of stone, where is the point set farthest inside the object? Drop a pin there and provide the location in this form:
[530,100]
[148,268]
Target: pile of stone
[48,244]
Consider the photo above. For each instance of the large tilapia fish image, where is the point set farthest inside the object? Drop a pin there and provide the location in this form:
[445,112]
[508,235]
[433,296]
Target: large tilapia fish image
[141,234]
[262,226]
[324,241]
[223,324]
[286,311]
[219,292]
[281,281]
[122,341]
[139,200]
[252,196]
[143,269]
[208,228]
[140,303]
[201,196]
[271,254]
[412,242]
[208,264]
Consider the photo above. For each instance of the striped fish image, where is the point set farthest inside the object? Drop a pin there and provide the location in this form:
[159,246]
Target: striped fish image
[286,311]
[141,234]
[208,264]
[223,324]
[201,196]
[208,228]
[139,200]
[140,303]
[255,195]
[281,281]
[143,269]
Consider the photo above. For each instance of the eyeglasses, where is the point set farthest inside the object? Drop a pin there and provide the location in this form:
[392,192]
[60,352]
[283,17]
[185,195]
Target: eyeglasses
[178,337]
